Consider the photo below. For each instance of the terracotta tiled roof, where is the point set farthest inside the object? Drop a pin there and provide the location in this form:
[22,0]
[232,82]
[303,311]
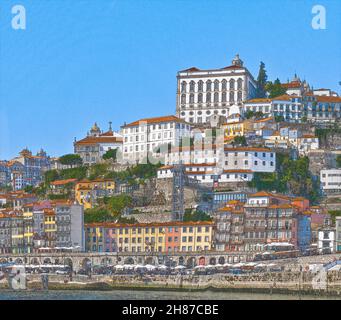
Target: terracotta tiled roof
[192,69]
[63,182]
[238,171]
[259,100]
[156,224]
[100,139]
[247,149]
[264,120]
[155,120]
[292,85]
[284,97]
[328,99]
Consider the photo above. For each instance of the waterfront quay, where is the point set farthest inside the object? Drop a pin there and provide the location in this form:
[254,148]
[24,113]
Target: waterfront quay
[77,260]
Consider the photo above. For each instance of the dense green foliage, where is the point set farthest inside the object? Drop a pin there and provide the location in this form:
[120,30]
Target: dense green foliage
[240,140]
[334,214]
[292,176]
[325,133]
[71,160]
[275,88]
[72,173]
[279,118]
[196,216]
[261,81]
[338,161]
[98,170]
[59,196]
[110,154]
[111,209]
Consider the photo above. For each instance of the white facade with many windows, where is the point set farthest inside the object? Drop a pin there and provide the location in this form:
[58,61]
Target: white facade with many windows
[146,136]
[331,180]
[203,93]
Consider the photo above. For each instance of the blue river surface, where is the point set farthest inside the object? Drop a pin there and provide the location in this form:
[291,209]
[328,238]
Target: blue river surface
[148,295]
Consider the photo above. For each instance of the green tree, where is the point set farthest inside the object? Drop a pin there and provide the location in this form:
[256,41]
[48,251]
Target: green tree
[279,118]
[118,203]
[197,215]
[249,114]
[110,154]
[29,189]
[261,81]
[71,160]
[240,140]
[275,88]
[259,115]
[338,161]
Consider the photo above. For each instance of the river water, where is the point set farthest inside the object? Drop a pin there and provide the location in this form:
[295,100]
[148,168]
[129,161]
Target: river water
[146,295]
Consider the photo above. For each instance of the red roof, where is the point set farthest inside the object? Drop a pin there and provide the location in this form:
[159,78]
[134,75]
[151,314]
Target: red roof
[100,139]
[155,120]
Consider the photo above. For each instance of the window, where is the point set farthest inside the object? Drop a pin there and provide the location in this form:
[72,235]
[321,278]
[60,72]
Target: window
[183,86]
[183,99]
[192,86]
[216,85]
[208,97]
[239,84]
[200,86]
[224,85]
[200,98]
[231,96]
[232,82]
[209,85]
[216,97]
[191,98]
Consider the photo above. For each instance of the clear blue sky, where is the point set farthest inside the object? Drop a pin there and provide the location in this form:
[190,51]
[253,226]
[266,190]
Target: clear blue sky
[116,60]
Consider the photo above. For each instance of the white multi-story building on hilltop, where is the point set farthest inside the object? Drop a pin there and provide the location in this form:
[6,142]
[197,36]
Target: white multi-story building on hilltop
[144,137]
[203,93]
[331,180]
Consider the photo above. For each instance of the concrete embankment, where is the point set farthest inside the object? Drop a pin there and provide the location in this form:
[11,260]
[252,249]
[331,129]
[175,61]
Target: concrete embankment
[268,283]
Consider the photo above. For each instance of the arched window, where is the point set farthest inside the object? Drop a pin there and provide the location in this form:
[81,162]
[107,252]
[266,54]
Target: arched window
[183,86]
[200,98]
[232,84]
[240,96]
[208,85]
[191,98]
[208,97]
[216,97]
[224,85]
[240,84]
[216,85]
[223,97]
[200,86]
[183,99]
[191,86]
[231,96]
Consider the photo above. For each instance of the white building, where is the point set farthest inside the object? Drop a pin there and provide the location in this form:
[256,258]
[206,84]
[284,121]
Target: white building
[146,136]
[326,240]
[92,148]
[203,93]
[208,173]
[222,165]
[248,158]
[331,180]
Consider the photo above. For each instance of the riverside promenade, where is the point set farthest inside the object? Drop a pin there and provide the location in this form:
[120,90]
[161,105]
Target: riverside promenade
[295,283]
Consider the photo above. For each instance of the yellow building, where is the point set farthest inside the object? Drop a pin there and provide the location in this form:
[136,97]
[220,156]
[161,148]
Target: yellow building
[88,191]
[50,227]
[196,237]
[233,129]
[151,237]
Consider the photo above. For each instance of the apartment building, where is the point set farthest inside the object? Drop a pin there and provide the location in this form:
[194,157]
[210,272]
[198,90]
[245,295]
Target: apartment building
[152,137]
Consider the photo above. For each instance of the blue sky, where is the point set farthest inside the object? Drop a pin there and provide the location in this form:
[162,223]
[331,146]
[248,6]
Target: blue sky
[116,60]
